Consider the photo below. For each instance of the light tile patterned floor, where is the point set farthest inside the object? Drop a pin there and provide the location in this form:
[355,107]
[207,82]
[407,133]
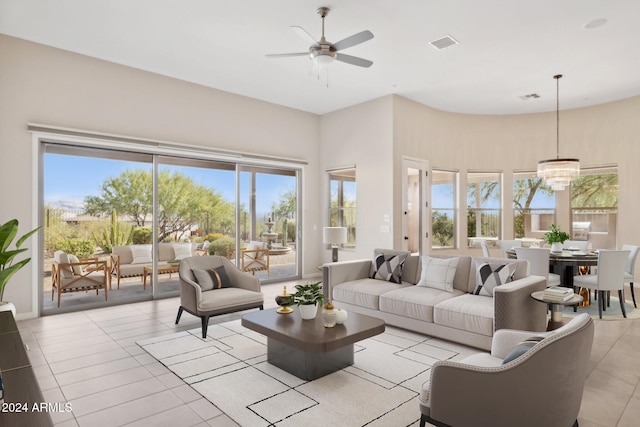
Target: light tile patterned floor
[91,359]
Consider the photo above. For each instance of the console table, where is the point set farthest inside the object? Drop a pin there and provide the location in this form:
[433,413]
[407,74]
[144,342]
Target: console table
[21,390]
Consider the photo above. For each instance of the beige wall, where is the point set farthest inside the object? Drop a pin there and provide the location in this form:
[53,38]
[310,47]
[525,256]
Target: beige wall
[600,135]
[362,135]
[45,85]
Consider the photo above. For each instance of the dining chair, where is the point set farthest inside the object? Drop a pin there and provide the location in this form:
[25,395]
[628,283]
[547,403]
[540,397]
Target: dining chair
[630,267]
[581,245]
[538,263]
[485,249]
[506,245]
[610,277]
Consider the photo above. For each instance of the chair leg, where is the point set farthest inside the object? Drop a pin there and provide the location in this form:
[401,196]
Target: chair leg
[575,424]
[180,310]
[600,302]
[633,296]
[423,420]
[205,325]
[621,296]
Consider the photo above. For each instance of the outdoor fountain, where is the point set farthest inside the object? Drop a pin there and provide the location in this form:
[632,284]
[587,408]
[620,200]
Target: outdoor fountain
[270,236]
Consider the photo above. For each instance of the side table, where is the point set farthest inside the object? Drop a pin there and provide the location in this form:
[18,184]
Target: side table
[557,307]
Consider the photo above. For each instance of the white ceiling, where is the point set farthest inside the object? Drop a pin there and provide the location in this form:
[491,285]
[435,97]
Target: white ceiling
[507,48]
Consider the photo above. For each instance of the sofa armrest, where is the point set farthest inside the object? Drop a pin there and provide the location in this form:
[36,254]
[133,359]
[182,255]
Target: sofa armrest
[515,309]
[335,273]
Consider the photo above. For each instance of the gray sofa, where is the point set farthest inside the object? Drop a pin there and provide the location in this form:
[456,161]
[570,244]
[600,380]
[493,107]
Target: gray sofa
[456,316]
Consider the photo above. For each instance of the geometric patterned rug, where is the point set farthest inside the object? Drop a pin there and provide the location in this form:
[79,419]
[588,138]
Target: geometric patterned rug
[229,368]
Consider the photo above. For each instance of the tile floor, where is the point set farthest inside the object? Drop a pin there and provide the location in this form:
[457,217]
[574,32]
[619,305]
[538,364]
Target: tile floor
[91,360]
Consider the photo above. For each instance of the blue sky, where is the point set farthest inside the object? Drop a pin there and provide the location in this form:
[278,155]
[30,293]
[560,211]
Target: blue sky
[72,178]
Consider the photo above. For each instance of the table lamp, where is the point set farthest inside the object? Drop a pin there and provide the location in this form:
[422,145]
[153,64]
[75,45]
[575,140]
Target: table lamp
[334,236]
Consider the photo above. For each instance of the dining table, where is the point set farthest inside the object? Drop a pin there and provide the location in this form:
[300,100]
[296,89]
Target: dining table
[567,262]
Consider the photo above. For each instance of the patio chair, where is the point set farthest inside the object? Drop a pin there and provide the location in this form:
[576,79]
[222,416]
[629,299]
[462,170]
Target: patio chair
[212,285]
[255,257]
[70,274]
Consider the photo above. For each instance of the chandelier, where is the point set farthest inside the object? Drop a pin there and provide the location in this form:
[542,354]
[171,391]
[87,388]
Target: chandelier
[558,173]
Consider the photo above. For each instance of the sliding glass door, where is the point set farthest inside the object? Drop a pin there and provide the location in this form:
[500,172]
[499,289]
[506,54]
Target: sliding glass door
[141,213]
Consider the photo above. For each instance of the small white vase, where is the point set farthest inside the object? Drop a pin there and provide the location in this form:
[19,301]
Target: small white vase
[8,306]
[308,312]
[556,247]
[341,316]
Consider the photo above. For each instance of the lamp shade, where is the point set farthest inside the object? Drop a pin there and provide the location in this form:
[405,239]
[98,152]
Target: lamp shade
[334,235]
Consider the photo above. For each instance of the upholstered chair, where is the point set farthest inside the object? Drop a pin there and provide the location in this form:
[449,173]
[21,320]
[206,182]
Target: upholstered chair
[538,263]
[610,277]
[506,245]
[581,245]
[485,249]
[212,285]
[541,387]
[630,268]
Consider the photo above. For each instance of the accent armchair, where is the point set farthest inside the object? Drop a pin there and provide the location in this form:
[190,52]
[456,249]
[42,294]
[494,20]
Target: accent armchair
[212,285]
[542,387]
[255,257]
[70,274]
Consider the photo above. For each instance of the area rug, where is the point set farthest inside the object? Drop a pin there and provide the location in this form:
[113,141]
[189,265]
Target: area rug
[229,368]
[612,312]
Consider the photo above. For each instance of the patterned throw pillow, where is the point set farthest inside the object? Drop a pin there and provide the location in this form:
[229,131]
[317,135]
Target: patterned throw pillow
[488,276]
[521,349]
[388,266]
[438,273]
[216,278]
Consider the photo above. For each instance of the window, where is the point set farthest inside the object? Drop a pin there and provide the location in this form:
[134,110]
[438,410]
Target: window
[443,208]
[534,206]
[483,206]
[594,207]
[342,202]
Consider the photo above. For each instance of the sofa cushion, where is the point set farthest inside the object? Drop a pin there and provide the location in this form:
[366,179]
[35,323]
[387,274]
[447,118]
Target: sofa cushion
[229,298]
[61,257]
[141,254]
[364,292]
[438,273]
[181,250]
[387,265]
[124,254]
[488,276]
[473,313]
[77,269]
[461,278]
[416,302]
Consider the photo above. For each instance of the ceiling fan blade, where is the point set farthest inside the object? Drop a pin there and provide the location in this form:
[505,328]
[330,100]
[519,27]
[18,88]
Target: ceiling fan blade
[286,55]
[353,60]
[354,40]
[303,33]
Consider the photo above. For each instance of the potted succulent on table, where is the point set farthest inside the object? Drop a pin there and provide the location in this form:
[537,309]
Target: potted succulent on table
[307,298]
[556,237]
[8,268]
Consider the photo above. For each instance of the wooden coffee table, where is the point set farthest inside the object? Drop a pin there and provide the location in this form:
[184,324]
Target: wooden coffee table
[305,348]
[147,271]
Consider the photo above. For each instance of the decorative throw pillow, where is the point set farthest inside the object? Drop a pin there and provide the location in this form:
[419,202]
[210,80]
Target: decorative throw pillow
[77,269]
[181,250]
[488,276]
[388,266]
[141,254]
[521,349]
[438,273]
[216,278]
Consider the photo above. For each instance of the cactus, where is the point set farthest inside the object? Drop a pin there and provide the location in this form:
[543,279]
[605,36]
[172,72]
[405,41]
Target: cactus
[117,235]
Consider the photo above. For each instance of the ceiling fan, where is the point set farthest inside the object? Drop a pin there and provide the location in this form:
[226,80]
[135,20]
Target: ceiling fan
[324,52]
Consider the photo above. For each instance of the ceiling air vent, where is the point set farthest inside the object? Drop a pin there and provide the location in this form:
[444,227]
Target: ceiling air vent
[443,42]
[529,96]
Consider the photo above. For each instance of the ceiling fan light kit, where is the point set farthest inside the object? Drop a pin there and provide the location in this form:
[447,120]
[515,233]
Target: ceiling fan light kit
[323,52]
[558,173]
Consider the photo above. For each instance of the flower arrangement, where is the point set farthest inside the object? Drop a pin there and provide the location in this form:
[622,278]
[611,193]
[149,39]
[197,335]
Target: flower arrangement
[308,294]
[555,235]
